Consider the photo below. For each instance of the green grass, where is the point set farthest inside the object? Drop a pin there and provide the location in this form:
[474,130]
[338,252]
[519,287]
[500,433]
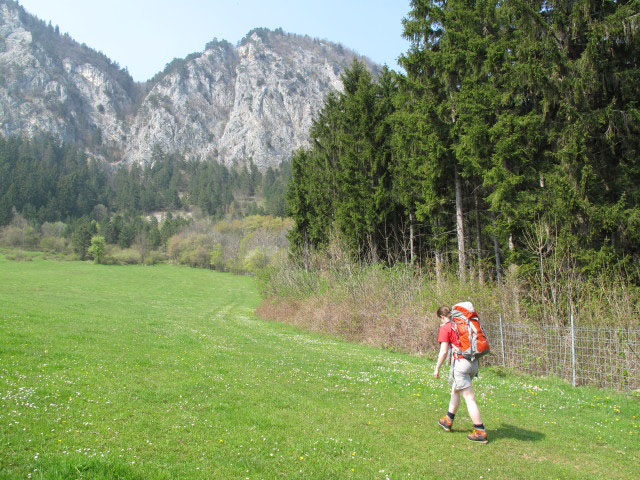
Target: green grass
[164,372]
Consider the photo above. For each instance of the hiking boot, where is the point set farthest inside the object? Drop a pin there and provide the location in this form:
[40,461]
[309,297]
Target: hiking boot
[445,422]
[479,436]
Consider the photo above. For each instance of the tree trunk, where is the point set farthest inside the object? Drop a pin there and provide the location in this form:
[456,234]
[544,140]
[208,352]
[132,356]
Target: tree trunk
[439,257]
[411,236]
[513,278]
[439,266]
[478,240]
[496,252]
[462,258]
[373,249]
[388,254]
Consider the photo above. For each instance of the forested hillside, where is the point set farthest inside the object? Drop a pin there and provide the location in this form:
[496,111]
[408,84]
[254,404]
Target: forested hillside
[47,181]
[513,137]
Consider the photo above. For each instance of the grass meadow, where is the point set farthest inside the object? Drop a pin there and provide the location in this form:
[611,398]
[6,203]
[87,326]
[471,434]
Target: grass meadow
[164,372]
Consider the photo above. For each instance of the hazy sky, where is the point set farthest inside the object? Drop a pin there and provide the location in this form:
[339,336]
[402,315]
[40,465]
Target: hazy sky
[145,35]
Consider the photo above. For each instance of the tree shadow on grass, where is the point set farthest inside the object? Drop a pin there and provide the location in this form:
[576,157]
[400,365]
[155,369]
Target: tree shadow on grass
[511,431]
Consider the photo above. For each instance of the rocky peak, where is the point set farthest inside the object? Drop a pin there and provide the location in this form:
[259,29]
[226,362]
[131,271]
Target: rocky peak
[251,102]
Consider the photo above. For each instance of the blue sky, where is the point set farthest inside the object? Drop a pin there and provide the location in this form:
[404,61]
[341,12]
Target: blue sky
[145,35]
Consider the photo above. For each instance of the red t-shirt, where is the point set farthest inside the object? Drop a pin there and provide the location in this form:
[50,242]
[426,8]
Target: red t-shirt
[448,334]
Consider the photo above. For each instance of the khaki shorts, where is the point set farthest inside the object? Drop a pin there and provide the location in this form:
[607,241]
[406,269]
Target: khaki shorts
[462,372]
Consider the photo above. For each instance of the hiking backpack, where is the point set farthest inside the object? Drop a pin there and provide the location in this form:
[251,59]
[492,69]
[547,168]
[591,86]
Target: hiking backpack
[473,341]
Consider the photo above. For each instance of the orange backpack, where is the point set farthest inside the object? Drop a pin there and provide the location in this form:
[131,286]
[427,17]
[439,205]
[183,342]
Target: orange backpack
[473,341]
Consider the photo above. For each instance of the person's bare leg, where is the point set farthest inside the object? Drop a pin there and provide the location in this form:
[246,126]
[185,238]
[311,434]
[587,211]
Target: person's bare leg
[472,406]
[454,403]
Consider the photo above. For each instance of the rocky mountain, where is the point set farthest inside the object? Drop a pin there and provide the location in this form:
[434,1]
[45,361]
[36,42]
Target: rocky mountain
[254,101]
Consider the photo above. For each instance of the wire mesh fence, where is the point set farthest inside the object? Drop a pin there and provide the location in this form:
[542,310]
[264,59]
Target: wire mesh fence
[603,357]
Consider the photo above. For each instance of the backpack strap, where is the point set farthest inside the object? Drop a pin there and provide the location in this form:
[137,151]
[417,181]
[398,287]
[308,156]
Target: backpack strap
[454,327]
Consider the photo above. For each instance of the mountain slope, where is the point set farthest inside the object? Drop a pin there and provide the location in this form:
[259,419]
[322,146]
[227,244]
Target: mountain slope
[49,83]
[254,101]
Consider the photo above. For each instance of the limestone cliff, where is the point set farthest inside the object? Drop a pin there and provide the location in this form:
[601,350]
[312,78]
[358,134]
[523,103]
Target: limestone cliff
[254,101]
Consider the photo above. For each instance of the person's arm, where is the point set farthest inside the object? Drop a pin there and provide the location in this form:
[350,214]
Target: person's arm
[442,356]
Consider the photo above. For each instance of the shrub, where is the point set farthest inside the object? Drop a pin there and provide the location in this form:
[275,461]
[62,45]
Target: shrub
[256,260]
[21,235]
[216,257]
[198,256]
[238,246]
[391,307]
[123,256]
[175,245]
[20,256]
[55,229]
[189,247]
[54,245]
[97,249]
[154,257]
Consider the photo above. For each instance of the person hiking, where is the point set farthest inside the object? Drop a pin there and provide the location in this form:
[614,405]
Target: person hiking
[460,375]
